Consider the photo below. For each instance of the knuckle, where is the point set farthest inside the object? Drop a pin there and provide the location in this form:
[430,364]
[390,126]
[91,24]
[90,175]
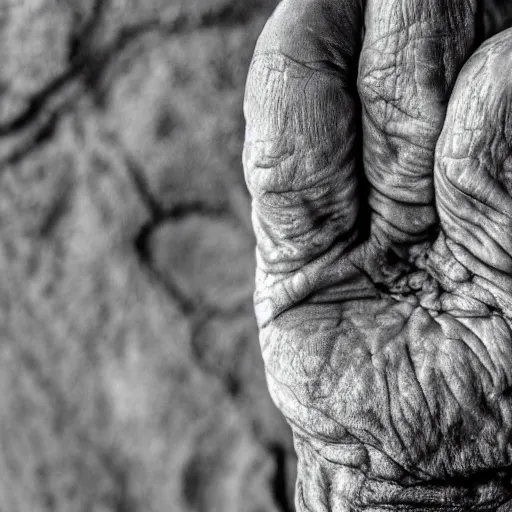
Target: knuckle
[493,57]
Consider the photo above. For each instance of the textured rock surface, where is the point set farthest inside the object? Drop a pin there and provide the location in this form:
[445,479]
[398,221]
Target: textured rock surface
[130,371]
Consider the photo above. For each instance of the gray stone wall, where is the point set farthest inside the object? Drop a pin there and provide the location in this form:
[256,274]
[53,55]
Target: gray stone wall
[130,370]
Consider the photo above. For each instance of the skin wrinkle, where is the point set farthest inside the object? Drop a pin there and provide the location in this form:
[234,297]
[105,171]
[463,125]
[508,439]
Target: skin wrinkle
[472,198]
[419,387]
[319,411]
[405,409]
[392,373]
[461,232]
[391,422]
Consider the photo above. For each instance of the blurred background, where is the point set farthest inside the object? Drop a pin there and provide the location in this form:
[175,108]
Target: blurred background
[130,373]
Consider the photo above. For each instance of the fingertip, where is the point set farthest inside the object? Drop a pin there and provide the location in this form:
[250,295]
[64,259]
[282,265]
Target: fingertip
[314,31]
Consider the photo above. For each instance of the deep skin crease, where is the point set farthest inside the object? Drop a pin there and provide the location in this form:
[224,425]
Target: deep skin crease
[378,154]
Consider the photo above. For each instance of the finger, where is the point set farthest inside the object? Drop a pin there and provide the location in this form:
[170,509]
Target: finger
[473,174]
[412,53]
[301,148]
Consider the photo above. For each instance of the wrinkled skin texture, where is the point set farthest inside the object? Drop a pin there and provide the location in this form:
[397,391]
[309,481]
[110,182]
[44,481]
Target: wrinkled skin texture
[379,157]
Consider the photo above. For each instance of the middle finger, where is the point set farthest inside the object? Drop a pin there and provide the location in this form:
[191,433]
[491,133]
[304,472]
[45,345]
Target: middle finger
[411,56]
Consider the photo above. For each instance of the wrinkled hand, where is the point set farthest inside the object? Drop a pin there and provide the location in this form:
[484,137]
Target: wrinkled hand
[379,158]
